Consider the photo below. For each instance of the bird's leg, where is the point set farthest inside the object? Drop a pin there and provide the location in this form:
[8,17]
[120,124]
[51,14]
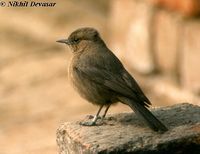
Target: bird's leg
[94,120]
[105,112]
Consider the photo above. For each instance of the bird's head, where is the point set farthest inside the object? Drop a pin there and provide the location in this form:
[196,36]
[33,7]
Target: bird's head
[81,39]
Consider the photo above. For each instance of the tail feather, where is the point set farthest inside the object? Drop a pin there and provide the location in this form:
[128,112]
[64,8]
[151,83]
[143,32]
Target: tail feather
[149,118]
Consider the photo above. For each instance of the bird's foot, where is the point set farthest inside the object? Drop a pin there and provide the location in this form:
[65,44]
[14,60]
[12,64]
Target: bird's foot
[88,123]
[93,122]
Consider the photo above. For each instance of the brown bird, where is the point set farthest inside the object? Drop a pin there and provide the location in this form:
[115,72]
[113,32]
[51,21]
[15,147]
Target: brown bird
[99,77]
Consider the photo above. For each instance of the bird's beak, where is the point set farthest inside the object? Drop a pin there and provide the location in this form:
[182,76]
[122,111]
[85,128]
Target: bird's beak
[66,41]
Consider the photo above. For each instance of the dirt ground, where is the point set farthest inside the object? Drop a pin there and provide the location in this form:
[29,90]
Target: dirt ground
[35,95]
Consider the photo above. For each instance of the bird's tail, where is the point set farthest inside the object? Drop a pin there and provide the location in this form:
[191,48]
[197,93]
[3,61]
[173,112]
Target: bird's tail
[142,111]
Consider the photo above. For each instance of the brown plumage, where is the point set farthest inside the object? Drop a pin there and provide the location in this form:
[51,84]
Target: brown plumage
[99,77]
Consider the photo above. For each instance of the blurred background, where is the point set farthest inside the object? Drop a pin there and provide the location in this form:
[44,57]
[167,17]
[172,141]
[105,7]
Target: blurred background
[157,40]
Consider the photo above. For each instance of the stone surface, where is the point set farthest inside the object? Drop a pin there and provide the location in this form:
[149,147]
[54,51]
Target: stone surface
[190,71]
[119,24]
[130,21]
[167,34]
[139,39]
[185,7]
[170,92]
[125,133]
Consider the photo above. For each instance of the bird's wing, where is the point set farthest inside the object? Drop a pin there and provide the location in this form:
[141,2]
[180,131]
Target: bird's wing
[130,81]
[119,83]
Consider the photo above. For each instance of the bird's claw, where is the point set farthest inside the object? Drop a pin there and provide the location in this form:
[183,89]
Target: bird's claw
[89,123]
[93,122]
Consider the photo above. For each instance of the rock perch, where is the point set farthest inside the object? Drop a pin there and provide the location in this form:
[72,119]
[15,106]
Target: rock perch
[125,133]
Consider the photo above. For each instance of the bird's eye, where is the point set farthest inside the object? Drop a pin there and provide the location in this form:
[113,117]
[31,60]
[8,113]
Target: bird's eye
[76,40]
